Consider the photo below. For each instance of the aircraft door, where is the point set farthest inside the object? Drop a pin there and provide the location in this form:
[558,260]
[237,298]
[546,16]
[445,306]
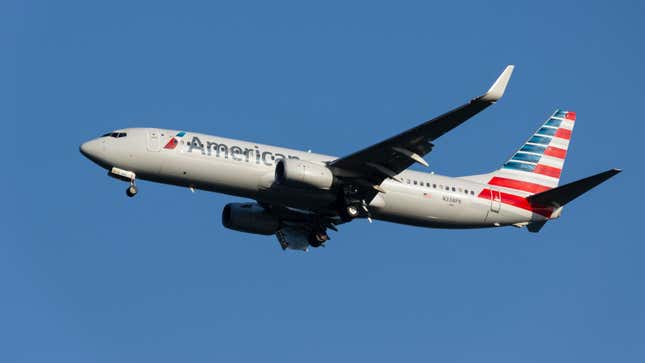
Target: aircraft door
[154,140]
[495,200]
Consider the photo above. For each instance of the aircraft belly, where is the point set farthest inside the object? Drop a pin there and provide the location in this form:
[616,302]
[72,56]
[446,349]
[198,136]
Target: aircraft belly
[508,214]
[321,201]
[431,210]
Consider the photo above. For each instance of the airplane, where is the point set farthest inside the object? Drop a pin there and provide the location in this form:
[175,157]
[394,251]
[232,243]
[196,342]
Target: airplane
[299,196]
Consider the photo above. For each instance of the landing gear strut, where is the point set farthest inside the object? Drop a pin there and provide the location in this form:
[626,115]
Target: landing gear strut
[125,175]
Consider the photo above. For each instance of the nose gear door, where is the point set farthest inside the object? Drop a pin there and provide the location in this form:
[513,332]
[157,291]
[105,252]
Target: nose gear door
[154,140]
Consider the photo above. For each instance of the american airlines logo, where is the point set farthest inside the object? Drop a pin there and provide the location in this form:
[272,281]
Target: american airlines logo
[234,152]
[174,141]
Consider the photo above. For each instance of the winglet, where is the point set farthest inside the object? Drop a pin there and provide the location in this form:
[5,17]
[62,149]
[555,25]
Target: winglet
[496,91]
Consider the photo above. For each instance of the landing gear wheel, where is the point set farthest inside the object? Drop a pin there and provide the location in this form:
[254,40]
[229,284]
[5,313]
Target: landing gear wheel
[350,211]
[131,191]
[353,211]
[350,202]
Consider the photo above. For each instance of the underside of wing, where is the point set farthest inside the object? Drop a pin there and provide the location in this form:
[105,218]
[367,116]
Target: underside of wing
[301,229]
[295,228]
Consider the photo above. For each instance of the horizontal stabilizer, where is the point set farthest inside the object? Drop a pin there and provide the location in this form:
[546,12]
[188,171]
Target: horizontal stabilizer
[562,195]
[535,227]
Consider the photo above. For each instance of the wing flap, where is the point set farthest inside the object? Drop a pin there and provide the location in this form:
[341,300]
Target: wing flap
[293,238]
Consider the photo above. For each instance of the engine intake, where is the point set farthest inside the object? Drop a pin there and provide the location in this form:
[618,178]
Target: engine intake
[300,173]
[249,218]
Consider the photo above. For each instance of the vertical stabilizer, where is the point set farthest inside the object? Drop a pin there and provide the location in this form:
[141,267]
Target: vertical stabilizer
[537,165]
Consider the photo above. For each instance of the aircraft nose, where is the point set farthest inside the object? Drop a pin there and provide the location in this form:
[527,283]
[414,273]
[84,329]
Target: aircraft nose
[90,149]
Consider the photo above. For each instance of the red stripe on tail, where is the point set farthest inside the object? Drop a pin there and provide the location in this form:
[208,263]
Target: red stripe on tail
[547,170]
[563,134]
[555,152]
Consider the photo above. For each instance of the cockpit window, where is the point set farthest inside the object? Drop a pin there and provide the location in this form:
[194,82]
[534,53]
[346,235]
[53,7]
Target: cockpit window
[115,134]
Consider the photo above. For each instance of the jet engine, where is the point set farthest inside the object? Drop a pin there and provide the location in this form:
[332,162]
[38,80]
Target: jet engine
[249,218]
[300,173]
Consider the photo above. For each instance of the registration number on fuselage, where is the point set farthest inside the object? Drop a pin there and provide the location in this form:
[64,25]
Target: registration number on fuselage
[450,199]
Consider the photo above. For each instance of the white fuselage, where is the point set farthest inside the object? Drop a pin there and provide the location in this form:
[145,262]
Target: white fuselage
[247,169]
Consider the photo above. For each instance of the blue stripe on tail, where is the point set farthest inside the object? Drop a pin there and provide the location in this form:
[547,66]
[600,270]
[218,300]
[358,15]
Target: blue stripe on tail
[519,166]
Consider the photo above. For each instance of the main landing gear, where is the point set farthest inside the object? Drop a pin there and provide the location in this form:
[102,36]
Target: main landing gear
[353,210]
[350,204]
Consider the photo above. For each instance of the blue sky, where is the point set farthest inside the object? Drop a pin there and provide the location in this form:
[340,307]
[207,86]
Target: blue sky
[88,275]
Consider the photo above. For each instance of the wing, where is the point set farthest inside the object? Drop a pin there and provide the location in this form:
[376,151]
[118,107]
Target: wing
[370,166]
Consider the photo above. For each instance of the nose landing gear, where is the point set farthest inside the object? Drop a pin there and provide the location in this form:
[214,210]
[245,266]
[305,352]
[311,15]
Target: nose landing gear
[125,175]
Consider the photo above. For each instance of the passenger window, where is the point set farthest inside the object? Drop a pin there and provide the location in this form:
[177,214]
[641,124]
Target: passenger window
[453,189]
[415,182]
[408,181]
[434,186]
[472,193]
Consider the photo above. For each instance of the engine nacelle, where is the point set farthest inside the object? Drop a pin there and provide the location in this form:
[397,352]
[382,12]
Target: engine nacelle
[249,218]
[300,173]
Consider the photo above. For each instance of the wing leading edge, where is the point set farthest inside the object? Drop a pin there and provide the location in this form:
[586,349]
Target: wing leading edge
[388,158]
